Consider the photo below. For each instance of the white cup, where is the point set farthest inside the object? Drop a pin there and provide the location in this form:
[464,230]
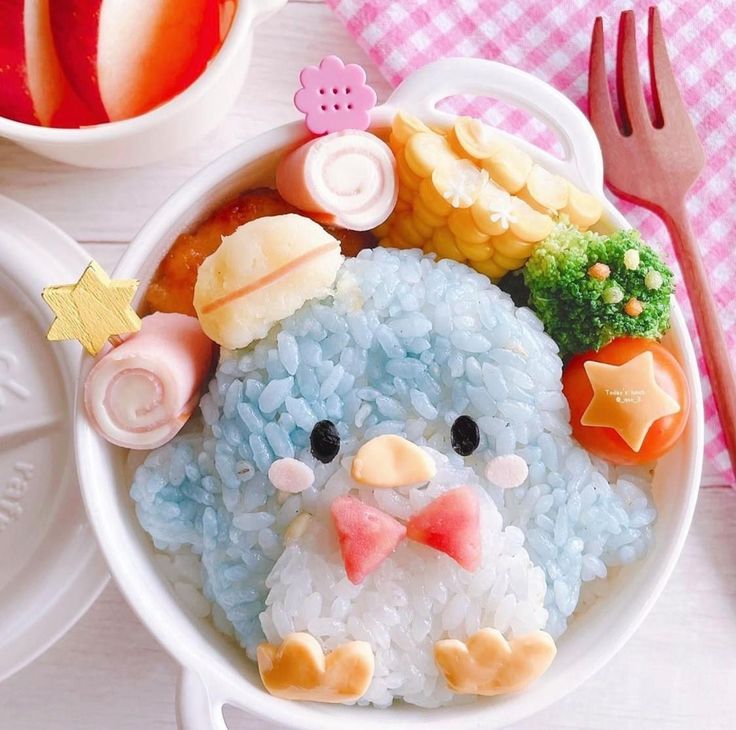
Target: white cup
[215,670]
[167,129]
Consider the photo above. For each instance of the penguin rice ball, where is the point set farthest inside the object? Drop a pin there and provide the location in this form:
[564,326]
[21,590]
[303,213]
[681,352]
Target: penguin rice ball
[431,352]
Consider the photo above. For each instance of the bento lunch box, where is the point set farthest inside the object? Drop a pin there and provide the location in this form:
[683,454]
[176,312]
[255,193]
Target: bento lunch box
[215,671]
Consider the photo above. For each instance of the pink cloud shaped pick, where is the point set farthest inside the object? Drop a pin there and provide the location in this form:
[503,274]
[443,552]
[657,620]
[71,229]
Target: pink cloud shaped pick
[334,97]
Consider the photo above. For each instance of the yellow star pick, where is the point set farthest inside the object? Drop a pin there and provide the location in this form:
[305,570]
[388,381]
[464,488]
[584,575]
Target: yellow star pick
[92,310]
[627,398]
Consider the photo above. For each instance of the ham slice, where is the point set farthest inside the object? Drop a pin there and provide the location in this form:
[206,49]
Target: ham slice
[366,535]
[450,524]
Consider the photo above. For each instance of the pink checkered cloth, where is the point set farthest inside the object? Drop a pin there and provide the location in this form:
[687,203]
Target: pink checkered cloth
[552,41]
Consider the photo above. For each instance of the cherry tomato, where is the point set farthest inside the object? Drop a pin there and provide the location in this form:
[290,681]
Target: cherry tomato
[606,442]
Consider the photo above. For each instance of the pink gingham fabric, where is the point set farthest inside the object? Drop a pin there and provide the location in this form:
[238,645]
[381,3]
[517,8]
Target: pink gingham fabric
[552,40]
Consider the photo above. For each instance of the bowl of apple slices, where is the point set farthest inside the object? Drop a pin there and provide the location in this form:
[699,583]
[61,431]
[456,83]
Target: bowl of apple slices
[121,83]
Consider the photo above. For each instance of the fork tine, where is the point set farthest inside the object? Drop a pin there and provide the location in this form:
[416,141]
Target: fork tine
[600,108]
[634,114]
[665,92]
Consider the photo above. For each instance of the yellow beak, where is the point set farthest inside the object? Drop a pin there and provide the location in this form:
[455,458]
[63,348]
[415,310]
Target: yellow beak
[392,461]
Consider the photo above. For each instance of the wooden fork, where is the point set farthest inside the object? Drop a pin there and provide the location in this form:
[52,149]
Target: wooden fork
[654,163]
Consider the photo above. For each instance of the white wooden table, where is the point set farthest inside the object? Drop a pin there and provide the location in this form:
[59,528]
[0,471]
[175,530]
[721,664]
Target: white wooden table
[679,670]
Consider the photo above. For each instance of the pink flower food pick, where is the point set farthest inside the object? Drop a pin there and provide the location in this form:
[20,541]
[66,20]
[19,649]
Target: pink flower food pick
[334,97]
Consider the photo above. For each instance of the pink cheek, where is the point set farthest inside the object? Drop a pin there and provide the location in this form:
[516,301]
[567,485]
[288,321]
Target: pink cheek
[508,471]
[290,475]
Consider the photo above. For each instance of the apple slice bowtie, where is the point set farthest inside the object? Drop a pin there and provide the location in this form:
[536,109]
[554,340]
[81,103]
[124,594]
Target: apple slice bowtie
[367,536]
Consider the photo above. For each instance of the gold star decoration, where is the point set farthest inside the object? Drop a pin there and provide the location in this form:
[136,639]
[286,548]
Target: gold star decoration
[93,310]
[627,398]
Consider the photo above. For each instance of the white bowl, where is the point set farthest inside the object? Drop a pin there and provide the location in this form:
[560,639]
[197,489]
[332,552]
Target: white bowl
[167,129]
[215,670]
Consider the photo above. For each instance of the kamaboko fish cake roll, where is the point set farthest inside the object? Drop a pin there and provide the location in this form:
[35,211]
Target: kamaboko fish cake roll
[347,178]
[141,393]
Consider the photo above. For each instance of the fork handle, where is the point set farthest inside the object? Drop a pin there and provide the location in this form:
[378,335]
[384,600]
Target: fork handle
[712,341]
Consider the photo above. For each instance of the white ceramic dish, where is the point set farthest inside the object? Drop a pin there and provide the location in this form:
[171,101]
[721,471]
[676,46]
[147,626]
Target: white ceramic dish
[50,568]
[215,670]
[169,128]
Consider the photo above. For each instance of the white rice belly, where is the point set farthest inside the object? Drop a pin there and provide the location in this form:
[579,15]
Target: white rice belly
[416,597]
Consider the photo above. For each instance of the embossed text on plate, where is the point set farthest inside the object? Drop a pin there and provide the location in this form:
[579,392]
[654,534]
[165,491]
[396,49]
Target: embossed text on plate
[8,384]
[13,491]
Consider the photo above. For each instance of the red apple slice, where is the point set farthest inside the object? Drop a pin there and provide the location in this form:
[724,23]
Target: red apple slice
[33,88]
[15,96]
[366,535]
[451,524]
[74,24]
[227,15]
[129,56]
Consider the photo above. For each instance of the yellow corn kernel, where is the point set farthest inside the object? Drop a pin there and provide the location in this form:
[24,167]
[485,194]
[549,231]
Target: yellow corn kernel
[406,229]
[439,129]
[456,147]
[297,527]
[460,222]
[510,245]
[529,224]
[382,231]
[475,138]
[510,263]
[509,166]
[432,200]
[406,194]
[443,242]
[427,216]
[488,267]
[396,241]
[396,147]
[545,191]
[406,177]
[405,125]
[459,182]
[425,151]
[493,210]
[582,209]
[424,230]
[475,251]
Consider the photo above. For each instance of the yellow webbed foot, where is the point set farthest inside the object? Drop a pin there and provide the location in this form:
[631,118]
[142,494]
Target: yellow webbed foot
[489,665]
[298,669]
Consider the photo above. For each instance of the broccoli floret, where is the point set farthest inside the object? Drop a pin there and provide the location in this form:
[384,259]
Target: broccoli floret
[589,288]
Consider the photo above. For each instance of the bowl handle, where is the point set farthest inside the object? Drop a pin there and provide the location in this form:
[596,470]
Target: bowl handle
[196,708]
[422,90]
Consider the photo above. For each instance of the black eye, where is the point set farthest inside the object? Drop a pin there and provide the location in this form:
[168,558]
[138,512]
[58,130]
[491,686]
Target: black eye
[325,441]
[465,435]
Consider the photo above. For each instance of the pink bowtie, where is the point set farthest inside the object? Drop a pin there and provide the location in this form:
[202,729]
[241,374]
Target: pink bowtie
[450,524]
